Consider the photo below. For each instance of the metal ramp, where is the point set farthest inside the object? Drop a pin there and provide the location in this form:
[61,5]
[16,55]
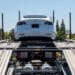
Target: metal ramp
[5,56]
[70,58]
[69,54]
[4,61]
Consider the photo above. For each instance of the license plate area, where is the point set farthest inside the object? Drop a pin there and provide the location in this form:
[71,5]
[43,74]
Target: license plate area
[35,25]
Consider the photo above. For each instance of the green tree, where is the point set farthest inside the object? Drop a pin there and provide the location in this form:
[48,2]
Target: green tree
[57,26]
[0,33]
[11,34]
[60,30]
[63,32]
[63,26]
[57,30]
[6,35]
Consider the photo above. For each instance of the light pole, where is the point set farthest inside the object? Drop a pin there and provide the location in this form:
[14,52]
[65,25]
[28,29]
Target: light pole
[19,14]
[70,25]
[2,26]
[53,16]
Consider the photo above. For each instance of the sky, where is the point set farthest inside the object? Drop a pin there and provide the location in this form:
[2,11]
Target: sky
[37,7]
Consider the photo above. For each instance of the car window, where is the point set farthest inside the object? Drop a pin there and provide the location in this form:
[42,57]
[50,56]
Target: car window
[21,23]
[48,23]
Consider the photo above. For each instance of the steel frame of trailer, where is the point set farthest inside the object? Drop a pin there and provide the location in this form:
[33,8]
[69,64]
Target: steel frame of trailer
[36,50]
[47,49]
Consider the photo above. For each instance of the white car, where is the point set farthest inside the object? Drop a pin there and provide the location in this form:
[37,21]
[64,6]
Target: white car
[34,26]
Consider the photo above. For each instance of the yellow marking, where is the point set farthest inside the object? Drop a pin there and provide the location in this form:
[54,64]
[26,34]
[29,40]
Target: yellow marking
[38,49]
